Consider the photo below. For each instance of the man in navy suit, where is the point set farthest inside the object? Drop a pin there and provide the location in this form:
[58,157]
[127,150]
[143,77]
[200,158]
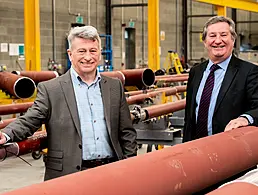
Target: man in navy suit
[233,101]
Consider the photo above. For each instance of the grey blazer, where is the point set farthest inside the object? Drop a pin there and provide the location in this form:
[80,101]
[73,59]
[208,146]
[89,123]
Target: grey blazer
[55,105]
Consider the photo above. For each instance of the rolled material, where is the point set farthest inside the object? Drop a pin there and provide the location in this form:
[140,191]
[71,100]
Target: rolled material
[179,89]
[182,169]
[238,188]
[38,76]
[33,143]
[15,85]
[162,109]
[172,79]
[15,108]
[115,74]
[139,77]
[4,123]
[138,99]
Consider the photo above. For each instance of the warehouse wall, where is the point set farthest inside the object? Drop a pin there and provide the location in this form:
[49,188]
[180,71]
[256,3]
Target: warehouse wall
[93,12]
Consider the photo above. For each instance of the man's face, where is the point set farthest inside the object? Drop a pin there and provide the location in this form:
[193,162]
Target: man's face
[219,42]
[84,55]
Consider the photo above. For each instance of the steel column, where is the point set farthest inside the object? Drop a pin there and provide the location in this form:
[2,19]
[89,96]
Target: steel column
[32,34]
[153,35]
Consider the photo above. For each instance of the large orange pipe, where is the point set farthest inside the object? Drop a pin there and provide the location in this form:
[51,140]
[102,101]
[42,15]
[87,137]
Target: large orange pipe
[17,86]
[15,108]
[182,169]
[139,77]
[133,77]
[238,188]
[38,76]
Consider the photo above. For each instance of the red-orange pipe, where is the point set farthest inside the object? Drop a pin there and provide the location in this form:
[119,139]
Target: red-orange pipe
[38,76]
[15,108]
[162,109]
[180,89]
[182,169]
[4,123]
[237,188]
[139,77]
[138,99]
[33,143]
[172,79]
[115,74]
[170,76]
[17,86]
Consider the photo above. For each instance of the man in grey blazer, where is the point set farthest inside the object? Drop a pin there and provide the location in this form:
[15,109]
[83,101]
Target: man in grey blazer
[86,115]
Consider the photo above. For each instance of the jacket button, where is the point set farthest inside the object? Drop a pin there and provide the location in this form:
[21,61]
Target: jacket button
[78,167]
[80,146]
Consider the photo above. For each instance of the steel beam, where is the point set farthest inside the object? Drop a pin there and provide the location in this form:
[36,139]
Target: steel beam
[32,34]
[237,4]
[153,35]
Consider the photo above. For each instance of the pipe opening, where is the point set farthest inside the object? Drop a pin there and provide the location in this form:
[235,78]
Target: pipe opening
[148,77]
[24,87]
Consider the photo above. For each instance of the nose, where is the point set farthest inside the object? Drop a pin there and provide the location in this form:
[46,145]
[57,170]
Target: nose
[218,39]
[87,56]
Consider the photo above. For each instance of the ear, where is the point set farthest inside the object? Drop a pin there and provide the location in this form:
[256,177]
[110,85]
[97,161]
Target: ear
[69,54]
[205,43]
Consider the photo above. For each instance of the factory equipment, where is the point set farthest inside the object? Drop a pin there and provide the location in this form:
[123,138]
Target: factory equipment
[107,54]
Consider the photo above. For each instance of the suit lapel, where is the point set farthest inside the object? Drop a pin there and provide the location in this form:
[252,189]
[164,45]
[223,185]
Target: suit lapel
[228,78]
[198,74]
[67,87]
[105,94]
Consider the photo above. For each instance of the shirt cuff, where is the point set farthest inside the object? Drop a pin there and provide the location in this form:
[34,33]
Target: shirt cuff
[7,137]
[249,118]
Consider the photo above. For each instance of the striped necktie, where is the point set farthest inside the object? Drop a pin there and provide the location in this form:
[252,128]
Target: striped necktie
[202,118]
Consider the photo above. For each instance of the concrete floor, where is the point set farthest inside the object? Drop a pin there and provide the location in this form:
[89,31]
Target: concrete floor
[15,173]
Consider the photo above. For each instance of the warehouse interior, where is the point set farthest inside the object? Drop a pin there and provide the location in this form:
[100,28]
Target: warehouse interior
[150,46]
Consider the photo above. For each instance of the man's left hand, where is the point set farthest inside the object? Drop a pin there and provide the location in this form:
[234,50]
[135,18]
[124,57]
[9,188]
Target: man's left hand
[235,123]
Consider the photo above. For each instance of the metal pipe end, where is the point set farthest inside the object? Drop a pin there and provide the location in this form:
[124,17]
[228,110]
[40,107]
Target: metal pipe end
[148,77]
[24,87]
[16,72]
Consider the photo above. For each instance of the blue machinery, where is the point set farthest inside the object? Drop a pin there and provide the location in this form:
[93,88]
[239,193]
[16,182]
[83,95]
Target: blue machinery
[107,54]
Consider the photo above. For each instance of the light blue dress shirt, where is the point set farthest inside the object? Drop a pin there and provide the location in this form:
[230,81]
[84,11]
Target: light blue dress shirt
[218,76]
[95,139]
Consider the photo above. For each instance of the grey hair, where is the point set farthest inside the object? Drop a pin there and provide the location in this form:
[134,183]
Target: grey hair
[217,19]
[85,32]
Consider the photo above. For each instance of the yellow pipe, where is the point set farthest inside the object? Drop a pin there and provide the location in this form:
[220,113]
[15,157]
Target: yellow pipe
[32,35]
[153,35]
[237,4]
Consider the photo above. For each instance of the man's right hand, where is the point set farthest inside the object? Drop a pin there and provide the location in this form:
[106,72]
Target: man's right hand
[2,138]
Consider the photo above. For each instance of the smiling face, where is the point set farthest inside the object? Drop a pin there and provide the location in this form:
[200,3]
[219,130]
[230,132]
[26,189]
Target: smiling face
[219,42]
[85,56]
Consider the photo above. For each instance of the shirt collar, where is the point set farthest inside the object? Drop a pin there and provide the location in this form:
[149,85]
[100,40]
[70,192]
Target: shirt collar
[223,65]
[77,79]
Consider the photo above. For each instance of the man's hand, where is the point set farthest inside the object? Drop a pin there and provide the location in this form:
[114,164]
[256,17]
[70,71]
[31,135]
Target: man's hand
[235,123]
[2,138]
